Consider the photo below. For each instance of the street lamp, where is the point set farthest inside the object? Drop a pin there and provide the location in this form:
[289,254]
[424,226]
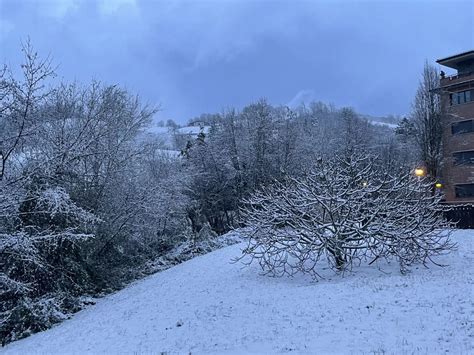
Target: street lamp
[420,172]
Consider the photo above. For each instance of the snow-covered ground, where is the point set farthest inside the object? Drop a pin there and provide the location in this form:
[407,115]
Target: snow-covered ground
[209,305]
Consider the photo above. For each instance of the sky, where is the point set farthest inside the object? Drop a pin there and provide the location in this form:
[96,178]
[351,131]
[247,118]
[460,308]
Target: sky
[194,57]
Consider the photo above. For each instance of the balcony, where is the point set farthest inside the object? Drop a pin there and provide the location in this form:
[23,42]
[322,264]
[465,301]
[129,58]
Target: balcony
[466,78]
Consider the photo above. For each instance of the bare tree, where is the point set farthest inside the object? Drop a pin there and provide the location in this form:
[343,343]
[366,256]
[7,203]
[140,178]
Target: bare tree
[346,211]
[426,115]
[18,100]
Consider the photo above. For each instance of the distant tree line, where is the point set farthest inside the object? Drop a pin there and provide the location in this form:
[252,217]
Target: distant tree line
[261,144]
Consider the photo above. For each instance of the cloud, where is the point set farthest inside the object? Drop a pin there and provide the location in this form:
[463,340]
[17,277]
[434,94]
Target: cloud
[199,55]
[6,27]
[111,7]
[58,9]
[208,32]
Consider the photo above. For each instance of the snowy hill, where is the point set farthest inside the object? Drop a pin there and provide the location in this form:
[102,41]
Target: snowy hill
[209,305]
[390,122]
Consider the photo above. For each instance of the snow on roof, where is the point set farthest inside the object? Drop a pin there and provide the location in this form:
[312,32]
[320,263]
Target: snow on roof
[193,130]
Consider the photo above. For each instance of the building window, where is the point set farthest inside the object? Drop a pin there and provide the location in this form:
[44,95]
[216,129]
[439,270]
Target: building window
[464,158]
[461,97]
[462,127]
[464,190]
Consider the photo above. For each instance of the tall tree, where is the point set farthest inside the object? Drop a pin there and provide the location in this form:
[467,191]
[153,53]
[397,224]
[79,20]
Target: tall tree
[426,114]
[18,101]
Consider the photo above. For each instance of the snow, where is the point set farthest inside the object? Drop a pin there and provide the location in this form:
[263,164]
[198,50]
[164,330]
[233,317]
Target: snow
[160,134]
[159,130]
[210,305]
[193,130]
[380,121]
[164,135]
[173,154]
[389,125]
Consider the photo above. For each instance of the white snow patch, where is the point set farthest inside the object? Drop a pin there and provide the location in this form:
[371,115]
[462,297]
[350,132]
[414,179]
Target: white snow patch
[210,305]
[159,130]
[173,154]
[193,130]
[390,125]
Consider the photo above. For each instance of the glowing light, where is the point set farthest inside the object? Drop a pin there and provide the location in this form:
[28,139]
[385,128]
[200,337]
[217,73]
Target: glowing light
[439,185]
[420,172]
[365,183]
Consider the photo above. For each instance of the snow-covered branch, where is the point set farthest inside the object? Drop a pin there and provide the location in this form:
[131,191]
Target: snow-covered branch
[346,211]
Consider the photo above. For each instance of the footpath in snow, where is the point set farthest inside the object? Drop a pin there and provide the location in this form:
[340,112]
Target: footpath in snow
[209,305]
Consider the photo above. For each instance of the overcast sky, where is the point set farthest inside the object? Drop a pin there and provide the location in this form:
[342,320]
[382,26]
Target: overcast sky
[192,57]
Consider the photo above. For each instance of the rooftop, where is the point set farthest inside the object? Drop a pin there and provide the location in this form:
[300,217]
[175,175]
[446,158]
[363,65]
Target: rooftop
[456,60]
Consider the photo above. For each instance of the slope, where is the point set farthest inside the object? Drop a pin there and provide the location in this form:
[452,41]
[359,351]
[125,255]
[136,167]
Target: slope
[209,305]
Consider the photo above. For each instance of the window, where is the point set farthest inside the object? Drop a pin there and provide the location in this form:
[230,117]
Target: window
[453,99]
[462,97]
[464,190]
[464,158]
[462,127]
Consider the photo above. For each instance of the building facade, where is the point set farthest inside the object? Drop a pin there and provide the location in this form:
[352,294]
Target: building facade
[457,93]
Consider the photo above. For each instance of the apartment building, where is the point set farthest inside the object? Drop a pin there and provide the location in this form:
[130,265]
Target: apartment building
[457,92]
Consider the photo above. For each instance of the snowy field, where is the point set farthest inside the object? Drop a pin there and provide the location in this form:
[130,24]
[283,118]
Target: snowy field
[209,305]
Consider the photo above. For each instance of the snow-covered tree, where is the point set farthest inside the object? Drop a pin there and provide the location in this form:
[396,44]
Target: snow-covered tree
[347,210]
[42,264]
[426,117]
[84,202]
[19,99]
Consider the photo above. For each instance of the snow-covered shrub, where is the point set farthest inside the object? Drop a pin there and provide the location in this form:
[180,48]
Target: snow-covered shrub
[42,260]
[52,208]
[29,316]
[345,211]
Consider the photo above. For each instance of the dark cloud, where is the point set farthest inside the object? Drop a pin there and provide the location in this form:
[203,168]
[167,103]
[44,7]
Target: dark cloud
[202,56]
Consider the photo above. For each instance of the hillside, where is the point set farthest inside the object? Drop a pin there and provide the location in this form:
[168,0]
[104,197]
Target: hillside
[209,305]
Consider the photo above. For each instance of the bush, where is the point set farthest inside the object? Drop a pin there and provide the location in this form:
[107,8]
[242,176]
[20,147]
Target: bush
[43,263]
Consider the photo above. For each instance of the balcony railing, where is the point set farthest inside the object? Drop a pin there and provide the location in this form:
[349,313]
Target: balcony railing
[457,79]
[457,76]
